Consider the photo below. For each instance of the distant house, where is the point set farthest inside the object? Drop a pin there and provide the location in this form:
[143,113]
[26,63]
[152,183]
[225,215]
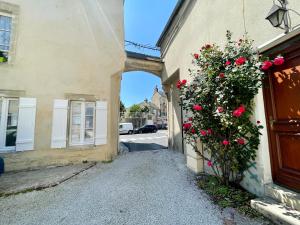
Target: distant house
[152,112]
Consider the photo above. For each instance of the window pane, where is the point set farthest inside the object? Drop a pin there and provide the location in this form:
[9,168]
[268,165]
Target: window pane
[5,32]
[76,108]
[89,122]
[89,109]
[12,122]
[75,122]
[5,23]
[88,134]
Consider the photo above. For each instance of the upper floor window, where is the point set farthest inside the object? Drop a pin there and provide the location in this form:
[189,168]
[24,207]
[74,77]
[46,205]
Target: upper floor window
[5,34]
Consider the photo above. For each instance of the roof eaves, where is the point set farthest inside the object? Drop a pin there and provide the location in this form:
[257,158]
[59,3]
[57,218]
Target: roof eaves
[170,21]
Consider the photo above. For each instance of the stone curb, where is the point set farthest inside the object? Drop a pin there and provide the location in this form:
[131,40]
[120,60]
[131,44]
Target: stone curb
[39,187]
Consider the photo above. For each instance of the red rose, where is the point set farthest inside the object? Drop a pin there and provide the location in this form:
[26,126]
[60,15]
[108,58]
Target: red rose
[228,63]
[187,126]
[183,82]
[240,141]
[193,131]
[225,142]
[178,84]
[197,107]
[190,119]
[209,163]
[278,61]
[220,109]
[266,65]
[222,75]
[239,111]
[209,131]
[203,132]
[240,61]
[196,56]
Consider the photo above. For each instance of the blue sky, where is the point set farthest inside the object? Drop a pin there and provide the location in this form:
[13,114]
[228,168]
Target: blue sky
[144,22]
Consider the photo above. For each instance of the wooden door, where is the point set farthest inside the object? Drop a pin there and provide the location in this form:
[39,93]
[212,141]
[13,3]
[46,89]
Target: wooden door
[282,101]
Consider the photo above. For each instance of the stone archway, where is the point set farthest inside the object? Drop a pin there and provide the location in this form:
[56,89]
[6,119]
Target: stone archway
[141,62]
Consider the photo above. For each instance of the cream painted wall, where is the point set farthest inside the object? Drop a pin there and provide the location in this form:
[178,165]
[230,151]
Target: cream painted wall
[207,23]
[70,46]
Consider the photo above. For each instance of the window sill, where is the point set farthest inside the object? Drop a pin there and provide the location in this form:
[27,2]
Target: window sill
[82,147]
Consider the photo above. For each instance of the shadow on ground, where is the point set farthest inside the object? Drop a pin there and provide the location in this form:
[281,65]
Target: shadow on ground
[135,147]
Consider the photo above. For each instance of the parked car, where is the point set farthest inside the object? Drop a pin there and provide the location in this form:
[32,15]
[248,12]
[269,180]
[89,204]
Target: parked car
[125,128]
[146,129]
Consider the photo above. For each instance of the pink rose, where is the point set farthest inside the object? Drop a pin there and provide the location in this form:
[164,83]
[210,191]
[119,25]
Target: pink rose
[197,107]
[266,65]
[278,61]
[225,142]
[240,61]
[220,109]
[240,141]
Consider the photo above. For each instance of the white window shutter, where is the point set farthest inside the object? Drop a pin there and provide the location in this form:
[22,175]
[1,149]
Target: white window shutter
[26,124]
[59,123]
[101,123]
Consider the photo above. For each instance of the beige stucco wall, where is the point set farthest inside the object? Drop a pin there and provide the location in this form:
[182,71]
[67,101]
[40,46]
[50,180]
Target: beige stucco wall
[61,47]
[207,23]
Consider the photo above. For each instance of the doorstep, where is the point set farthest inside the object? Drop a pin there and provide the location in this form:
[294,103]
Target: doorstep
[283,195]
[279,213]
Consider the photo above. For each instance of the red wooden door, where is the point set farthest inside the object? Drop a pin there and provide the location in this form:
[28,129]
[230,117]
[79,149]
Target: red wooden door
[282,101]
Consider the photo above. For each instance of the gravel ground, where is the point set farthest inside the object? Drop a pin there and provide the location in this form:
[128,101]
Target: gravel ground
[152,187]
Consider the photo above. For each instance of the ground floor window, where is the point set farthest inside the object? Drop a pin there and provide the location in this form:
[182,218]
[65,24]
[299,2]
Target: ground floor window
[9,109]
[82,123]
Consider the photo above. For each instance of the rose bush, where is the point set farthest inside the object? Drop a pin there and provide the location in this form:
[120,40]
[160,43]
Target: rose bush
[219,103]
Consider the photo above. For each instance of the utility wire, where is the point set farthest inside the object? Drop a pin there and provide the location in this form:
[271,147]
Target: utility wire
[144,46]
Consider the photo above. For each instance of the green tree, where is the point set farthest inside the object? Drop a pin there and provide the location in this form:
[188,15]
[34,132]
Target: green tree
[122,109]
[134,109]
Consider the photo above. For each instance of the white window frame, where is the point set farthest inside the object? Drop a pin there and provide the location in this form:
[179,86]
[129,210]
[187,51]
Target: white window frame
[11,32]
[82,141]
[3,124]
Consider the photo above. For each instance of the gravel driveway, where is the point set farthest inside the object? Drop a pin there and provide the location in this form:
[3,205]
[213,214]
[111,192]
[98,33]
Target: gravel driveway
[152,187]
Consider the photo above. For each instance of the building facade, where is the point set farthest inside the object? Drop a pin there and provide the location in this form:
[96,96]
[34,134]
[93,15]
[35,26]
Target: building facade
[56,91]
[196,23]
[159,99]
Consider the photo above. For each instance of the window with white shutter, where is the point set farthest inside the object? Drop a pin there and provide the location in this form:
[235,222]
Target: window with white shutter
[26,124]
[59,123]
[101,123]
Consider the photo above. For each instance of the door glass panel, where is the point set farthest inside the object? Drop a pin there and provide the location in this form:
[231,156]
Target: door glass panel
[75,122]
[12,122]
